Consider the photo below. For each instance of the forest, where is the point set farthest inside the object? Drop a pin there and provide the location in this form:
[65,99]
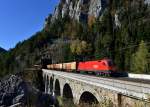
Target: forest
[126,40]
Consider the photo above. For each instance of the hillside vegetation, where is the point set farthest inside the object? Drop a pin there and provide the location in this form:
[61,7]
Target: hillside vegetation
[121,33]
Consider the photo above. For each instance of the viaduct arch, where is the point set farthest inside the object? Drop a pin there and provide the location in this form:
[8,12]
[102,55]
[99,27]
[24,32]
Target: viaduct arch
[88,97]
[67,92]
[57,88]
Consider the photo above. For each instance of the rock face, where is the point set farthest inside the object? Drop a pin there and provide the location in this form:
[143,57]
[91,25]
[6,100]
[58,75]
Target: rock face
[147,1]
[15,92]
[97,7]
[12,91]
[80,10]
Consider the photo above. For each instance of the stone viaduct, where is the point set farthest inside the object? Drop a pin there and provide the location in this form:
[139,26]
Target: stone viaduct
[83,88]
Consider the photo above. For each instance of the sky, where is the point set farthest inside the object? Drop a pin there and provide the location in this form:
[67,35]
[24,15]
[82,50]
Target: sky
[20,19]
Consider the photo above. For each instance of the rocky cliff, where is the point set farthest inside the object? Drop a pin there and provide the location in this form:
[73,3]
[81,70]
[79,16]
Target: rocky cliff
[16,92]
[81,10]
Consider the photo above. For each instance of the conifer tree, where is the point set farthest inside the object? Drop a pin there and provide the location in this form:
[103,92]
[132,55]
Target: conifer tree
[140,60]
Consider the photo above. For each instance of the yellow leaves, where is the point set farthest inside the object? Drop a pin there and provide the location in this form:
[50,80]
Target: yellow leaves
[91,20]
[79,47]
[74,46]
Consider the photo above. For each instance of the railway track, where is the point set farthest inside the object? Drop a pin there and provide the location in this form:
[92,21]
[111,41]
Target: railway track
[144,81]
[136,80]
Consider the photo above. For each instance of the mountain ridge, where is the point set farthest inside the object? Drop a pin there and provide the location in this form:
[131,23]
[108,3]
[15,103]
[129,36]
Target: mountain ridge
[2,50]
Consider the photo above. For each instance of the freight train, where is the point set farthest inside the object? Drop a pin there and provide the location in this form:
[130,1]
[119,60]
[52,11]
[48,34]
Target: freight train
[104,67]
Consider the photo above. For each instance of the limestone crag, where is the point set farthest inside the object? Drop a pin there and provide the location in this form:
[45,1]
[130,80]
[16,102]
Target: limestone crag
[96,8]
[79,10]
[147,1]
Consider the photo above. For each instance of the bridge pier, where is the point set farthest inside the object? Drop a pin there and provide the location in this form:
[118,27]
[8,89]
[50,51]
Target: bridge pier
[57,88]
[119,100]
[46,87]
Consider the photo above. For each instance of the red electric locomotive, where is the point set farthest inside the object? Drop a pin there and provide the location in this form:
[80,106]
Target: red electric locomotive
[98,67]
